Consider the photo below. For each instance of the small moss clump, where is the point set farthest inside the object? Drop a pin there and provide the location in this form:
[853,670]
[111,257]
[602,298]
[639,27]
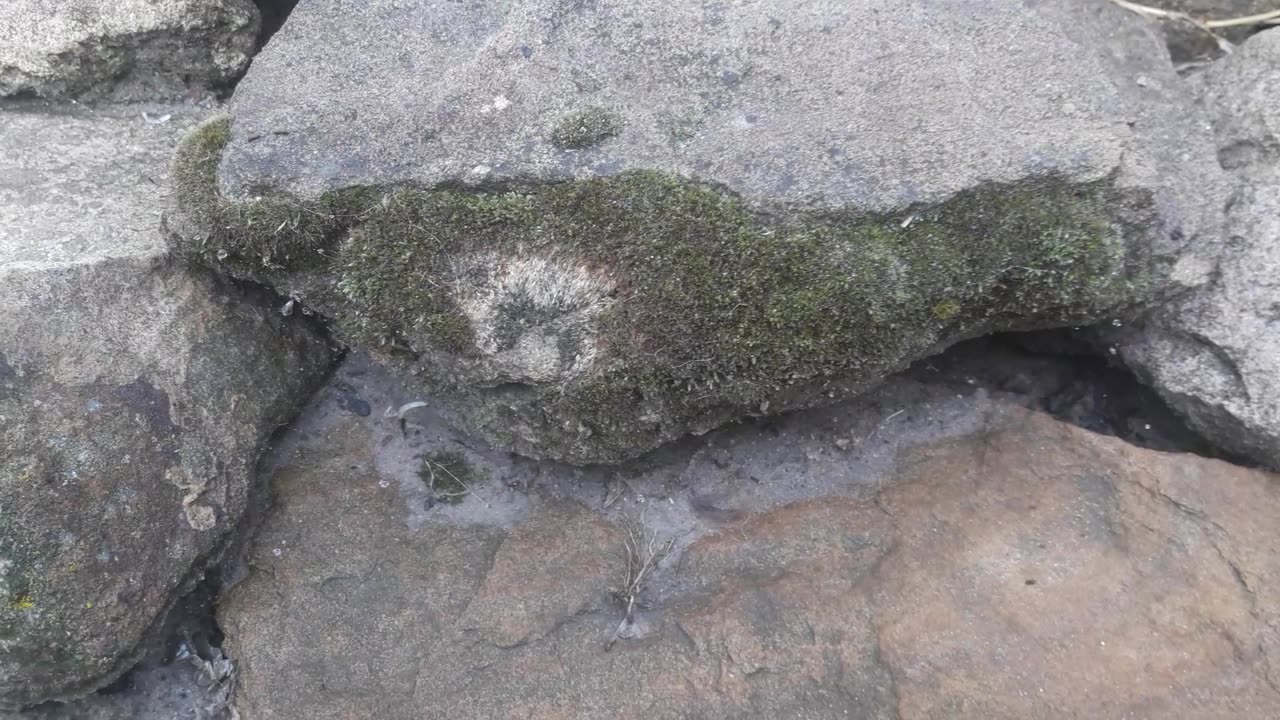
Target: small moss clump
[587,128]
[946,309]
[450,476]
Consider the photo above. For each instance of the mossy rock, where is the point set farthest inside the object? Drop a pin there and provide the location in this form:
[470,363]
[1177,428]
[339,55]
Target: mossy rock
[592,320]
[627,221]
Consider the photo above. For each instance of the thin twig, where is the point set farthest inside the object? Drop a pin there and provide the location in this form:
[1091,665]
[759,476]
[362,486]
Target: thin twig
[1267,18]
[643,552]
[466,489]
[1270,17]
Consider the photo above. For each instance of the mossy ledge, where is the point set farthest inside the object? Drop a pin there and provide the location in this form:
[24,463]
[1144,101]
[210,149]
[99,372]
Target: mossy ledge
[690,307]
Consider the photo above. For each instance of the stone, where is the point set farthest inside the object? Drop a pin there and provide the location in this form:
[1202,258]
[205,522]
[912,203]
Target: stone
[135,398]
[597,228]
[127,49]
[161,692]
[1215,356]
[963,558]
[1191,40]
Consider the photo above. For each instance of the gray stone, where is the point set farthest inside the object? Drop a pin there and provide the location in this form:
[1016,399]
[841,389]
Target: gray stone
[1215,355]
[135,397]
[598,227]
[1189,34]
[929,552]
[131,49]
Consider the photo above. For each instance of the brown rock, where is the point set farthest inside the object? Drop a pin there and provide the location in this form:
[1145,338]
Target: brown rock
[1030,569]
[1041,571]
[555,565]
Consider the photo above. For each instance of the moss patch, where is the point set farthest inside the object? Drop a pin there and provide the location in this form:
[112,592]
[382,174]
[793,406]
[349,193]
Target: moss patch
[722,304]
[587,128]
[719,292]
[450,476]
[260,237]
[946,309]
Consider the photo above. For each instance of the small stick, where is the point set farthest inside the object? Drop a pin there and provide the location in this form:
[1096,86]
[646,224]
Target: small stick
[467,488]
[1265,18]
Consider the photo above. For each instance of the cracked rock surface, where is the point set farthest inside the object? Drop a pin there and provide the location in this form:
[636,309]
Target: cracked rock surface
[926,553]
[1215,356]
[135,396]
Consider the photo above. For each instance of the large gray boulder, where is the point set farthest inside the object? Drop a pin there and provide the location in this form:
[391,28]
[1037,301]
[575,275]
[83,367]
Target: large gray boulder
[135,397]
[132,49]
[1215,356]
[600,226]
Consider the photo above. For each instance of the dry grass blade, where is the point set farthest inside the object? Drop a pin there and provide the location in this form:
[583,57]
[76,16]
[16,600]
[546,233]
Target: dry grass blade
[1267,18]
[1204,26]
[1270,17]
[434,466]
[643,551]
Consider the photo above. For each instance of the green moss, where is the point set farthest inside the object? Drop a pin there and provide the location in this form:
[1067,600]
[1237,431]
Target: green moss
[261,236]
[720,292]
[450,476]
[587,128]
[723,305]
[946,309]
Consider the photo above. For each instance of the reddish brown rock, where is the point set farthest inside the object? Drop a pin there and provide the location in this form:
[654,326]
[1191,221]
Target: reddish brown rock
[1030,569]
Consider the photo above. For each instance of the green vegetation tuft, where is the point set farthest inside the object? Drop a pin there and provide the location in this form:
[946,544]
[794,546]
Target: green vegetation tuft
[587,128]
[450,476]
[946,309]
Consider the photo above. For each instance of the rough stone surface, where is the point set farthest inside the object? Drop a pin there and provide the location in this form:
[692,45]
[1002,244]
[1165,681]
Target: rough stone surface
[130,49]
[1216,355]
[601,226]
[1189,41]
[930,552]
[134,399]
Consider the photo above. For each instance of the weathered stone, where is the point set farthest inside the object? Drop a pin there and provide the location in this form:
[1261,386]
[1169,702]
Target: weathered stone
[131,49]
[961,559]
[602,226]
[1215,356]
[134,399]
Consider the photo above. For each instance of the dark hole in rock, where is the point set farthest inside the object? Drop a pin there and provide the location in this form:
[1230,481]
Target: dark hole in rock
[274,13]
[1057,373]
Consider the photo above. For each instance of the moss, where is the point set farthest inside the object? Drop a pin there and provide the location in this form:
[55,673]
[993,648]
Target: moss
[724,305]
[587,128]
[946,309]
[450,476]
[718,291]
[259,237]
